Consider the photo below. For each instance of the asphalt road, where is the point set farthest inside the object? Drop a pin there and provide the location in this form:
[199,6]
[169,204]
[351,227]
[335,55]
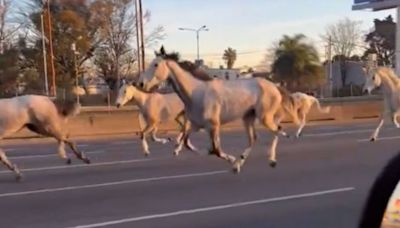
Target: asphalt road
[321,180]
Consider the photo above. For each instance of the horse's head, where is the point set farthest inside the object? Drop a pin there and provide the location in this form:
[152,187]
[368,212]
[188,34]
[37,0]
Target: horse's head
[156,73]
[372,80]
[125,93]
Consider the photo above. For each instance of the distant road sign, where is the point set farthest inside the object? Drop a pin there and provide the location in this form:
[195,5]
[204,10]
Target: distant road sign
[375,5]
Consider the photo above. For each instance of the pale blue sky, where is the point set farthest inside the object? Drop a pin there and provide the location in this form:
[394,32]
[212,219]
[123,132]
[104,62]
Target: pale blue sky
[247,25]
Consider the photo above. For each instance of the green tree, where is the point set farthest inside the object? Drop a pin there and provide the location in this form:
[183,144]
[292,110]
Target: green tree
[381,41]
[296,63]
[229,57]
[18,70]
[74,21]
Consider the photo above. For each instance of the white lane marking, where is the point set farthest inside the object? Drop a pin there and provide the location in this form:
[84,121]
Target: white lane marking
[50,155]
[85,165]
[380,138]
[113,183]
[337,133]
[218,207]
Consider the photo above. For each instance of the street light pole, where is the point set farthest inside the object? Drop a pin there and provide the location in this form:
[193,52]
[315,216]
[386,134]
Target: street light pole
[51,57]
[74,52]
[197,31]
[46,82]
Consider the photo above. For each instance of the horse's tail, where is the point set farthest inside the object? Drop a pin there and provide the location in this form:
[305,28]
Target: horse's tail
[320,109]
[289,104]
[67,108]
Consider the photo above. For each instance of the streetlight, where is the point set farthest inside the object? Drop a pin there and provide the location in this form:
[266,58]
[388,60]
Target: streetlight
[46,82]
[197,31]
[75,53]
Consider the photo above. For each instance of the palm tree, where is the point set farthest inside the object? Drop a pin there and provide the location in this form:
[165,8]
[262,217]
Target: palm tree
[297,63]
[229,57]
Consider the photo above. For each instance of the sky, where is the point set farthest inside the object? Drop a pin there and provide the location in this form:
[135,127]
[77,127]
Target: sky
[249,26]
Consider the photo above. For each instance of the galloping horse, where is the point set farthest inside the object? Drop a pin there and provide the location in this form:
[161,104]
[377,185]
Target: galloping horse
[209,104]
[384,77]
[41,115]
[303,103]
[154,109]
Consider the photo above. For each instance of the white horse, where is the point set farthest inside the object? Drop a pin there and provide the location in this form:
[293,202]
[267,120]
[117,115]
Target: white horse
[155,109]
[39,114]
[384,77]
[210,104]
[303,103]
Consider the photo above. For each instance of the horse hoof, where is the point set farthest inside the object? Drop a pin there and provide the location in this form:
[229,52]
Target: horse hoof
[372,140]
[176,153]
[169,139]
[273,164]
[69,161]
[18,178]
[146,154]
[87,161]
[236,169]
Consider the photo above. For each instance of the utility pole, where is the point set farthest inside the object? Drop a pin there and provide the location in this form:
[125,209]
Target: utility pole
[46,82]
[141,34]
[330,64]
[52,68]
[139,59]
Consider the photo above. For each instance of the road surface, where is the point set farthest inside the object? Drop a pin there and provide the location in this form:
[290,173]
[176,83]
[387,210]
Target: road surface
[321,180]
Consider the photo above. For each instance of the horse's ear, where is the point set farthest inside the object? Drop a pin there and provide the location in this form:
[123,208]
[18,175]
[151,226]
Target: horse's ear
[162,50]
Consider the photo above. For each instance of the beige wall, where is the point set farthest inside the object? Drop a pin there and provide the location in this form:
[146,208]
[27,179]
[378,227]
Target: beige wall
[104,121]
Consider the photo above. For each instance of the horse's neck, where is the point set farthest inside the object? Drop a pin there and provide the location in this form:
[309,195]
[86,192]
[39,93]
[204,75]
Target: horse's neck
[388,85]
[183,82]
[139,97]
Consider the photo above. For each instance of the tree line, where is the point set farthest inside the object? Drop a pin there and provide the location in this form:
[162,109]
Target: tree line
[103,32]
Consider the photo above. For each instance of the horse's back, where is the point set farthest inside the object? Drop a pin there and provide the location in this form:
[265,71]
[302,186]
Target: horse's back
[19,111]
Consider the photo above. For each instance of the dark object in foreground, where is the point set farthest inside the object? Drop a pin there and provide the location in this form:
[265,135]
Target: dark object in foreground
[380,194]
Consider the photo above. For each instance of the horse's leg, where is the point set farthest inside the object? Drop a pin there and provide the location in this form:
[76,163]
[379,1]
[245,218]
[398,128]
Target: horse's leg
[376,132]
[79,154]
[272,151]
[187,127]
[249,126]
[394,120]
[272,126]
[181,139]
[9,165]
[302,123]
[156,139]
[181,126]
[62,153]
[149,128]
[216,144]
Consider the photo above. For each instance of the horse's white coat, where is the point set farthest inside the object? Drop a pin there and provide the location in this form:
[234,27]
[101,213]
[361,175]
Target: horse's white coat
[303,103]
[209,104]
[154,109]
[40,115]
[386,78]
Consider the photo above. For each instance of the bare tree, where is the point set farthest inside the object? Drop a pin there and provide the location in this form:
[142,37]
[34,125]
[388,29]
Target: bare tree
[345,35]
[8,29]
[119,32]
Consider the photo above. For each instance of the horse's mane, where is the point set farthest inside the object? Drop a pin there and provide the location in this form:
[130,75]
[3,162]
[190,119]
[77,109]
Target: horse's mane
[66,107]
[196,71]
[190,67]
